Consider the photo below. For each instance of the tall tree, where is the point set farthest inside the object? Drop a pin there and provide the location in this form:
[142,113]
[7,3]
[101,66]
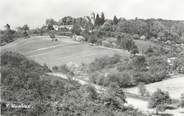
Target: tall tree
[115,20]
[25,28]
[102,19]
[7,26]
[97,20]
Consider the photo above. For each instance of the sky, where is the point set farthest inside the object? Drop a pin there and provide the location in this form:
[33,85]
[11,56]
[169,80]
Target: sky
[35,12]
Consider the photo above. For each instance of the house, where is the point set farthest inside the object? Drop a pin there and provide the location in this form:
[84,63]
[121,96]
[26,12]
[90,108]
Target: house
[143,37]
[78,38]
[171,60]
[61,27]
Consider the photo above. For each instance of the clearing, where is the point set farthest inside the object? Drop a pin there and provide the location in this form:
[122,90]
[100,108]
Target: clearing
[44,51]
[175,86]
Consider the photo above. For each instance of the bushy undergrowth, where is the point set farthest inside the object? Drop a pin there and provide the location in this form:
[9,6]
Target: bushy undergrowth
[24,83]
[128,73]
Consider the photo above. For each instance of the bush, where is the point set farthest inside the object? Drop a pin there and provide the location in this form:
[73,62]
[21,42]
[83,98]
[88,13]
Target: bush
[159,100]
[100,63]
[142,89]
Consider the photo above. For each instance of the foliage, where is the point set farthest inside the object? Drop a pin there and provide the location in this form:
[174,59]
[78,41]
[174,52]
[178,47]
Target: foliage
[76,29]
[142,89]
[115,20]
[100,63]
[125,41]
[159,100]
[182,100]
[7,35]
[139,62]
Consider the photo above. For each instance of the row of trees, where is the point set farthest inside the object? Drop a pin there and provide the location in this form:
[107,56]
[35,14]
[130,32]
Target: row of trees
[8,35]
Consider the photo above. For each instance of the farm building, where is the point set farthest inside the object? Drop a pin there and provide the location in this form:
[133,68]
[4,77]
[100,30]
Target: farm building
[78,38]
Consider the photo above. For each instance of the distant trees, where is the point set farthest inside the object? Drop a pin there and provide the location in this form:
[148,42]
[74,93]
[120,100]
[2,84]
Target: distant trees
[8,35]
[76,29]
[50,27]
[125,41]
[159,100]
[23,30]
[68,20]
[50,22]
[99,20]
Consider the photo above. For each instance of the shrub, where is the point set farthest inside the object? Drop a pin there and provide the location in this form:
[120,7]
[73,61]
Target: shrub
[142,89]
[104,61]
[159,100]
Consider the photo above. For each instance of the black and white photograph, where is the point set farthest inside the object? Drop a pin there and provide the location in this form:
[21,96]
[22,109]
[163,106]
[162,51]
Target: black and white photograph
[92,57]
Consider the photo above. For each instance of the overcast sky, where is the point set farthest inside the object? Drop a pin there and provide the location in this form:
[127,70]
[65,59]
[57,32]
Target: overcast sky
[35,12]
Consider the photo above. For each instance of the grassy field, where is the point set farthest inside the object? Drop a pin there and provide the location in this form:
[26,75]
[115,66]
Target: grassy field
[175,86]
[45,51]
[144,45]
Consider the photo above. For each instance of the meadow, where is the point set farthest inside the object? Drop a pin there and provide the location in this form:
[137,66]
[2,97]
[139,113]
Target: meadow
[174,86]
[44,51]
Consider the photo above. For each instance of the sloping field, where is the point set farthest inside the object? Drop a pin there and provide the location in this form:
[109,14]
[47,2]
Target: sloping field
[174,86]
[45,51]
[144,45]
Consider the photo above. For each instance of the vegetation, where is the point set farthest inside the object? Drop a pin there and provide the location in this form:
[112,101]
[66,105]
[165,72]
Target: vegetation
[182,100]
[24,82]
[8,35]
[142,89]
[127,73]
[159,100]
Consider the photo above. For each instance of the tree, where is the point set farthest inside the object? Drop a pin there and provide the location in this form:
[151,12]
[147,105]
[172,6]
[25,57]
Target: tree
[139,62]
[8,34]
[159,100]
[102,19]
[125,41]
[134,50]
[7,26]
[114,97]
[50,22]
[115,20]
[97,20]
[182,100]
[142,89]
[25,28]
[76,29]
[50,29]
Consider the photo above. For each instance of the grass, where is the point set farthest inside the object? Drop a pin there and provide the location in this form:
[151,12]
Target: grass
[52,53]
[144,45]
[174,86]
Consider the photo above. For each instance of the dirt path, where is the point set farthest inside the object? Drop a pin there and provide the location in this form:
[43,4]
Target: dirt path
[140,104]
[137,103]
[174,85]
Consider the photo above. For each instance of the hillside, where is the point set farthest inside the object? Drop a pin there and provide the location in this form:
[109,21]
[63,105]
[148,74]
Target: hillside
[44,51]
[174,86]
